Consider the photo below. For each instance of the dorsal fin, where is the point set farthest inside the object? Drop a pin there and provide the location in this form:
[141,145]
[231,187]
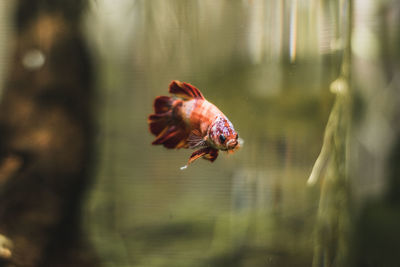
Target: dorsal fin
[184,90]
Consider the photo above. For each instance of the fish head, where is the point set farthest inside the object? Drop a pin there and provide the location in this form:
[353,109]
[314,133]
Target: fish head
[222,135]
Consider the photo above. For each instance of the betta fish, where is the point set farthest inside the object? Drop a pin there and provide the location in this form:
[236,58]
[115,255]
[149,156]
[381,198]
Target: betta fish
[187,120]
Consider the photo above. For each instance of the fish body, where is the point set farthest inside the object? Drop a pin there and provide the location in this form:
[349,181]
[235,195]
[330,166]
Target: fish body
[199,114]
[188,120]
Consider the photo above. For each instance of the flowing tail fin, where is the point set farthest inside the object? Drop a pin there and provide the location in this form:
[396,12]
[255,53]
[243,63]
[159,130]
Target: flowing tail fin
[168,128]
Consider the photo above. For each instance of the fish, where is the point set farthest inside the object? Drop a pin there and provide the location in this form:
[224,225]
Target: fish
[187,120]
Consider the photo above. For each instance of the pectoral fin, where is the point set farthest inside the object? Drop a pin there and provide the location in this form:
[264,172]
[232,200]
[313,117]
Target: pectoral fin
[195,140]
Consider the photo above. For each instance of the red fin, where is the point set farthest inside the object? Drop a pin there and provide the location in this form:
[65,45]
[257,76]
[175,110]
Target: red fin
[207,153]
[162,104]
[184,90]
[211,155]
[168,128]
[173,137]
[166,124]
[159,122]
[198,154]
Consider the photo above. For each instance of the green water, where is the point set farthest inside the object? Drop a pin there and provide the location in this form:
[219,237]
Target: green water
[311,87]
[252,208]
[253,204]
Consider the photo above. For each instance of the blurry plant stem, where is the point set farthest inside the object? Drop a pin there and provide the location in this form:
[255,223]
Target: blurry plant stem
[333,212]
[333,218]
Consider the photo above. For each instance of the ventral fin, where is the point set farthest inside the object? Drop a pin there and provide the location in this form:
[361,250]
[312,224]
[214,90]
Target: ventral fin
[211,155]
[184,90]
[207,153]
[198,154]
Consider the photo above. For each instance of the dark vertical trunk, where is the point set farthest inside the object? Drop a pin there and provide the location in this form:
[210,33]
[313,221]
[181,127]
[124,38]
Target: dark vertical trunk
[46,137]
[377,235]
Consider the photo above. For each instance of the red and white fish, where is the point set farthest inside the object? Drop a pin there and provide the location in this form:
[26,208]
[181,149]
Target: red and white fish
[188,120]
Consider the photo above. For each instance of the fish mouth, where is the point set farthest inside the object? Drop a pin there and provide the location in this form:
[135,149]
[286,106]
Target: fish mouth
[231,144]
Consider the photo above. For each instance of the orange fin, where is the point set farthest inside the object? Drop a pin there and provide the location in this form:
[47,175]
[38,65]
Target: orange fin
[184,90]
[207,153]
[198,154]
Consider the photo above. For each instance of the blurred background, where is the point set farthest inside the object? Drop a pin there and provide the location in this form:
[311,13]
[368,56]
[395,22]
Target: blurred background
[294,77]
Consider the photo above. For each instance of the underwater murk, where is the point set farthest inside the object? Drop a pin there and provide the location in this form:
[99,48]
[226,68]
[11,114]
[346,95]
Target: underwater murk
[310,86]
[267,67]
[291,76]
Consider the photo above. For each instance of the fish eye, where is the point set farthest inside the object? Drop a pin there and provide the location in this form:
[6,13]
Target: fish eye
[222,138]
